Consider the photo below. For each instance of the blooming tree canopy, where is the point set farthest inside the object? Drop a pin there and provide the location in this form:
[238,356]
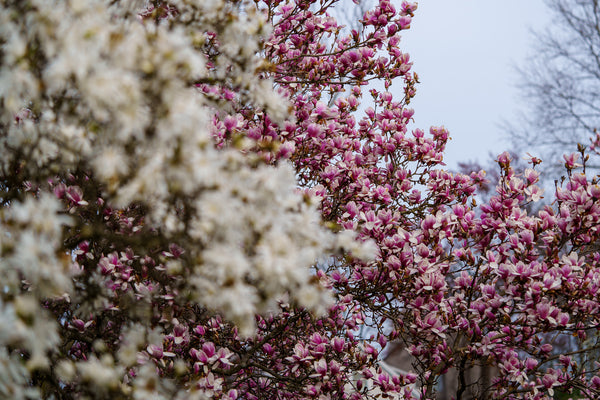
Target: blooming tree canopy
[208,199]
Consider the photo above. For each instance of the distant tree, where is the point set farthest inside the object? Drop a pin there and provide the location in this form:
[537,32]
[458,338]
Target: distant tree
[561,84]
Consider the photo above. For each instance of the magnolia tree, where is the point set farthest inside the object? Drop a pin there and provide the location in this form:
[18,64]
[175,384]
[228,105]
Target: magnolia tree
[195,205]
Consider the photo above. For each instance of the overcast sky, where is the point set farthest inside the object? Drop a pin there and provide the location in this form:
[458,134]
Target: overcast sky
[465,53]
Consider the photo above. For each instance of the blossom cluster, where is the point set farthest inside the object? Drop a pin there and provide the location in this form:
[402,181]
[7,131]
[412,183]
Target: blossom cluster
[463,287]
[118,205]
[116,95]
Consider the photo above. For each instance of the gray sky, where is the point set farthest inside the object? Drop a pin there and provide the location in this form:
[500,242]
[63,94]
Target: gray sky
[465,53]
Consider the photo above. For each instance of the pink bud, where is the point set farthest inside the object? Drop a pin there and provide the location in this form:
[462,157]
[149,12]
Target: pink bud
[531,363]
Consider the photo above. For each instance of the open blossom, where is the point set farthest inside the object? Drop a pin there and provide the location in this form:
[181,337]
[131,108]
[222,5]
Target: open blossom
[571,161]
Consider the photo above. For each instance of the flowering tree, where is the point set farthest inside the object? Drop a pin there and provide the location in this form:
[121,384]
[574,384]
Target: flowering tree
[194,206]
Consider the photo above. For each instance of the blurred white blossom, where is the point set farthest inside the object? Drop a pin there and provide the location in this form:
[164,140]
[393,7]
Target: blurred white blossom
[90,84]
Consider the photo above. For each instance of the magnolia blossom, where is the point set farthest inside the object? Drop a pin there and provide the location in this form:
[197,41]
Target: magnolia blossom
[119,96]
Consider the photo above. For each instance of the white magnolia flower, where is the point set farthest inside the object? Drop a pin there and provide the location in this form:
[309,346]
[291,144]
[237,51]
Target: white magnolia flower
[117,94]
